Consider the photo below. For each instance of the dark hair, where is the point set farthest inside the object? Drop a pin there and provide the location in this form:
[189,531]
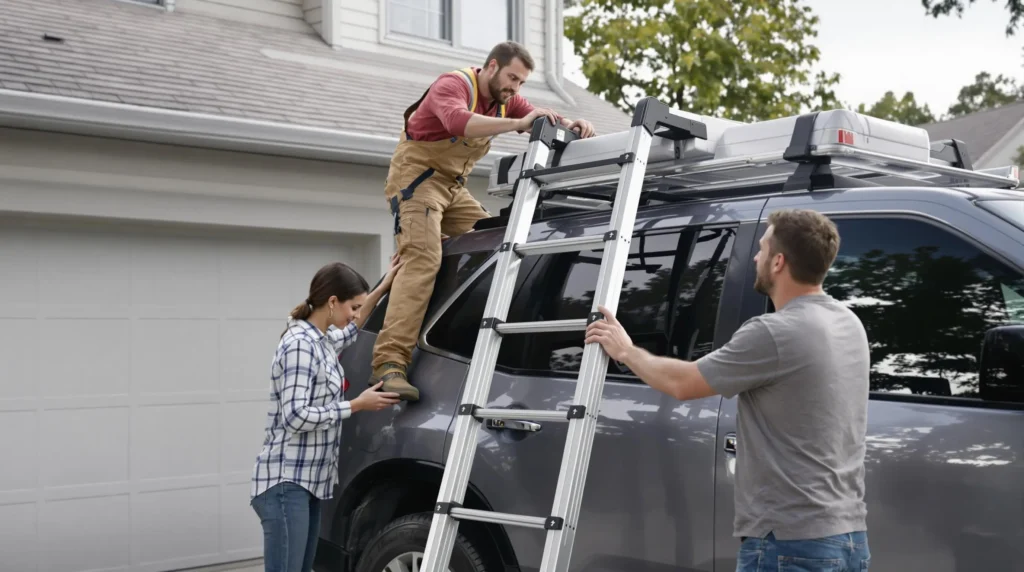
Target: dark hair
[335,279]
[505,52]
[809,240]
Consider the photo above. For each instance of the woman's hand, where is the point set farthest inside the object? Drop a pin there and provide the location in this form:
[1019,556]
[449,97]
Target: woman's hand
[373,400]
[389,277]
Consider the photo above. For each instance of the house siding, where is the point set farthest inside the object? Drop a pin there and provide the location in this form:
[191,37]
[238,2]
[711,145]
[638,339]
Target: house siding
[312,11]
[285,14]
[361,21]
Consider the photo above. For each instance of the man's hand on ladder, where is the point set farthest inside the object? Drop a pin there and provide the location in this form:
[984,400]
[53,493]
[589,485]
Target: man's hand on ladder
[611,335]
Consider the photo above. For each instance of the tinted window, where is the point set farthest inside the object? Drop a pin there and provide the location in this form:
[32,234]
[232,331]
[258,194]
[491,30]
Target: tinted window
[667,307]
[457,329]
[455,269]
[926,298]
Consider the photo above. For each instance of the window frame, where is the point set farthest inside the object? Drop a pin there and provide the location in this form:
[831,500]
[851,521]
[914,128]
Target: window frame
[534,262]
[945,226]
[454,46]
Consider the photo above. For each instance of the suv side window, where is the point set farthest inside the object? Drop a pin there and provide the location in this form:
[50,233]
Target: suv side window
[455,269]
[926,298]
[669,302]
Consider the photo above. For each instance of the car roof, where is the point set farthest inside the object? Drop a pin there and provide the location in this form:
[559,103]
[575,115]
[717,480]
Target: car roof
[490,238]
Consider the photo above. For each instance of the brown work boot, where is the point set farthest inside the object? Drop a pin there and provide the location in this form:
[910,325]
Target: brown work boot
[395,380]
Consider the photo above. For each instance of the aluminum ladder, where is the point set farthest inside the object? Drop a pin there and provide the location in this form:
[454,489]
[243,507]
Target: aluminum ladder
[651,119]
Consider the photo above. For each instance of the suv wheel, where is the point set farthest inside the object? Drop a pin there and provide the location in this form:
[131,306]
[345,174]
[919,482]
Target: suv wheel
[399,548]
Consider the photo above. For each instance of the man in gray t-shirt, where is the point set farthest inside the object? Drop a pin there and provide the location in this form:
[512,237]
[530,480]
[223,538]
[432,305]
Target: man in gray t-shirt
[801,374]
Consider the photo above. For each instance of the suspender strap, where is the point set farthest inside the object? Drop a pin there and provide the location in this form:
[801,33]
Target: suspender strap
[467,74]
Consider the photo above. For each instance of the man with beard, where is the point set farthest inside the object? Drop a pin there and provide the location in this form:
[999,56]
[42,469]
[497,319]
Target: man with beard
[801,374]
[451,129]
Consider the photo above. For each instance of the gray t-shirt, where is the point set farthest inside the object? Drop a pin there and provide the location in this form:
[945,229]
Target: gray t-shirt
[801,374]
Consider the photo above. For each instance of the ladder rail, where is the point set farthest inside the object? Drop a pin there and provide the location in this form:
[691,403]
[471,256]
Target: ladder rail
[461,452]
[594,366]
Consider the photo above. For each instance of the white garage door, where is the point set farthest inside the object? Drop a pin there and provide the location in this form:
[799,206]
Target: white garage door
[133,388]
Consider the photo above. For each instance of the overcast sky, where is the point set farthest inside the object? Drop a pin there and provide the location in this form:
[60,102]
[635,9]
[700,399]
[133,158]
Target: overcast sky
[880,45]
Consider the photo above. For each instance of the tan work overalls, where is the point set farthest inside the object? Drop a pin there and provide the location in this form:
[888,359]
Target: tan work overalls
[426,192]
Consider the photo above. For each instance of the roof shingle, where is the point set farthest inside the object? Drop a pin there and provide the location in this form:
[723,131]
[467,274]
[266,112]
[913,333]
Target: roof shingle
[980,131]
[118,52]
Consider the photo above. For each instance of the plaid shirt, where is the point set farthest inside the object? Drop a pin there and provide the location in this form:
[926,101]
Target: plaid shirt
[303,430]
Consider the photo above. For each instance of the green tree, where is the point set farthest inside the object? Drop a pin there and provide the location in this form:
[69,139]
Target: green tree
[1018,159]
[985,93]
[904,110]
[944,7]
[747,60]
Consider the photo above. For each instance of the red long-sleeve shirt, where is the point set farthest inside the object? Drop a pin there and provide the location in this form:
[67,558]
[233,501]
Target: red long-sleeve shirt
[443,112]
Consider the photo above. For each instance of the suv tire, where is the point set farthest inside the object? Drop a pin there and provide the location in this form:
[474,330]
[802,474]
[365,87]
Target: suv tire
[407,535]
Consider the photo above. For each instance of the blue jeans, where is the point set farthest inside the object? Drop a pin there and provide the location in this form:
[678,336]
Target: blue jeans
[840,553]
[290,516]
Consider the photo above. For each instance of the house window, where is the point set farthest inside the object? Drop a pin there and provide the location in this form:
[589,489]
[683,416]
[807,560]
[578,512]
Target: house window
[429,19]
[468,25]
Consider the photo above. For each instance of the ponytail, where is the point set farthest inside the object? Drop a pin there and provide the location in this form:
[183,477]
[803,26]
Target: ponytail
[302,311]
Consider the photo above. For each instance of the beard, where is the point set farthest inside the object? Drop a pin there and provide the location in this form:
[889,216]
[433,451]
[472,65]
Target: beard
[763,284]
[498,94]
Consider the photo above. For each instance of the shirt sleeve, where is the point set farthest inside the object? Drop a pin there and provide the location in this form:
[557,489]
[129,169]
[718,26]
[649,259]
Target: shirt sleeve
[748,361]
[298,365]
[448,100]
[342,338]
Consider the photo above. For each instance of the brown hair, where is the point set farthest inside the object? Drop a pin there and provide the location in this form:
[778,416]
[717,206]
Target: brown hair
[505,52]
[334,279]
[809,240]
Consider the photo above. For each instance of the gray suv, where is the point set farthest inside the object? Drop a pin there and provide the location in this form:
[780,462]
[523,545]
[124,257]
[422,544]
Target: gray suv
[935,274]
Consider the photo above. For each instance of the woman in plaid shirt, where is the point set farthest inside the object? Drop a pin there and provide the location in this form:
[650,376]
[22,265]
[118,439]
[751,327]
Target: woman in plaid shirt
[296,468]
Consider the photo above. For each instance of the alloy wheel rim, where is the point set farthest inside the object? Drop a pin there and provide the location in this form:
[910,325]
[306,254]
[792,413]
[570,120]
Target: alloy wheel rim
[406,562]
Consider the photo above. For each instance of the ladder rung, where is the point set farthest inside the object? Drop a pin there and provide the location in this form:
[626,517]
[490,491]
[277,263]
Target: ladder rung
[542,327]
[525,414]
[559,245]
[504,518]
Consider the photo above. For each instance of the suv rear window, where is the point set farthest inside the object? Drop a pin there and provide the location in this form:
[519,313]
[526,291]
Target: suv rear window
[1010,210]
[455,269]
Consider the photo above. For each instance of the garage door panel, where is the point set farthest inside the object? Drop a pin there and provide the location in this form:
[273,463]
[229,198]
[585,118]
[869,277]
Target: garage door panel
[84,269]
[93,358]
[18,525]
[84,446]
[176,272]
[242,434]
[20,455]
[19,353]
[91,533]
[247,347]
[251,281]
[173,524]
[241,533]
[19,259]
[156,370]
[176,440]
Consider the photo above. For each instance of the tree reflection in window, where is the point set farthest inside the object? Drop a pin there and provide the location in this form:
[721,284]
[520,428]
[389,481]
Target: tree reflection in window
[667,308]
[926,298]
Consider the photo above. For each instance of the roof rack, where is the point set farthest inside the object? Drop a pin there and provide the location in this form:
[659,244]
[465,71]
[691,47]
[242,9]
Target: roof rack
[694,156]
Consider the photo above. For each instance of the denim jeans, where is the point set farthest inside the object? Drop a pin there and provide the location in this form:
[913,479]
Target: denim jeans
[840,553]
[290,516]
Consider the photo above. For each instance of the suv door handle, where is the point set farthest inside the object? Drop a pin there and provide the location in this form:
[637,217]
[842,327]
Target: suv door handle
[514,425]
[730,443]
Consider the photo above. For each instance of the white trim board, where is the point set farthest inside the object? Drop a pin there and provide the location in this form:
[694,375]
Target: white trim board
[120,121]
